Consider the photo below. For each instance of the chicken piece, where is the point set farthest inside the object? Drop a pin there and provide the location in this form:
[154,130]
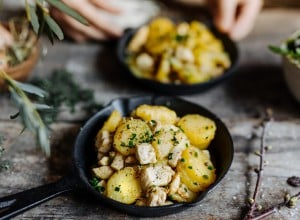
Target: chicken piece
[118,162]
[186,194]
[156,196]
[174,185]
[104,161]
[145,153]
[184,54]
[145,62]
[156,175]
[103,142]
[130,160]
[141,202]
[101,186]
[175,154]
[103,172]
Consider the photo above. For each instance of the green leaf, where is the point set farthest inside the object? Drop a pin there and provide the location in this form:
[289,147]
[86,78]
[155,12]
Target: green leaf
[278,50]
[31,89]
[42,106]
[54,27]
[69,11]
[32,17]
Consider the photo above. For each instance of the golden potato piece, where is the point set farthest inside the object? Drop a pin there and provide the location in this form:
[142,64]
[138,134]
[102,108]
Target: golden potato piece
[124,186]
[129,133]
[199,129]
[112,122]
[196,169]
[157,113]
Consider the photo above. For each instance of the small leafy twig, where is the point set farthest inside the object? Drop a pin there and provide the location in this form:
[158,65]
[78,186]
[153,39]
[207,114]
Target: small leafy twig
[255,212]
[289,202]
[259,171]
[28,111]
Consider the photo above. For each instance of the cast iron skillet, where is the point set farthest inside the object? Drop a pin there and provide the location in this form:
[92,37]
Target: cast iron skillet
[179,89]
[221,150]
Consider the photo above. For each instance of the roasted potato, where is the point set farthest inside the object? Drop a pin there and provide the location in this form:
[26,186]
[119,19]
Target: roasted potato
[129,133]
[124,186]
[160,114]
[199,129]
[196,169]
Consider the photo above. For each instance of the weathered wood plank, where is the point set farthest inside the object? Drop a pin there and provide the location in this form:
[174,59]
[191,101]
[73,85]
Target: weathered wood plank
[240,102]
[30,168]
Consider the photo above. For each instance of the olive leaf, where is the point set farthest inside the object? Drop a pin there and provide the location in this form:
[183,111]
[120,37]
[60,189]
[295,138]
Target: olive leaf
[38,15]
[28,111]
[69,11]
[32,17]
[31,89]
[54,26]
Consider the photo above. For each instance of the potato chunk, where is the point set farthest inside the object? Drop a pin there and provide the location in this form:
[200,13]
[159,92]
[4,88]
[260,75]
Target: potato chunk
[130,133]
[196,169]
[156,113]
[112,122]
[124,186]
[199,129]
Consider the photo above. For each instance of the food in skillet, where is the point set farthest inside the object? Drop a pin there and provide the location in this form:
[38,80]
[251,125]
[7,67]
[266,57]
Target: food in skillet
[153,157]
[184,53]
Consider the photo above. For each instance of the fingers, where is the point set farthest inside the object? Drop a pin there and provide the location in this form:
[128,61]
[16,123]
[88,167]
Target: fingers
[224,14]
[105,6]
[245,21]
[76,30]
[96,19]
[6,38]
[98,29]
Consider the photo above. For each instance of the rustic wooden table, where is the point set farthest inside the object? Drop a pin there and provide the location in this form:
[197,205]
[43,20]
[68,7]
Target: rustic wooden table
[240,103]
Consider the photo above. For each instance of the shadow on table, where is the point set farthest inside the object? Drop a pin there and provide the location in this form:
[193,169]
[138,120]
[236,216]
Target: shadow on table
[60,161]
[112,72]
[259,87]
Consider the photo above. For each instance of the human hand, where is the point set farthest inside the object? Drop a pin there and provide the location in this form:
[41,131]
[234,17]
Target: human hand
[98,28]
[235,17]
[6,38]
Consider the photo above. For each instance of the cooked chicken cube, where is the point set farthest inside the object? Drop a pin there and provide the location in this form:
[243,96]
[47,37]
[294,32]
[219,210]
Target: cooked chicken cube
[145,153]
[130,160]
[118,162]
[145,62]
[104,161]
[104,142]
[141,202]
[156,175]
[156,196]
[174,185]
[184,54]
[103,172]
[175,154]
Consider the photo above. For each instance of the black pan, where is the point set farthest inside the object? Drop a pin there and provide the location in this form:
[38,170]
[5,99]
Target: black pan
[221,150]
[179,89]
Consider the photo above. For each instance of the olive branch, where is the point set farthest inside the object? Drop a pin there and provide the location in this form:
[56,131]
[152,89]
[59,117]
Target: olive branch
[41,21]
[28,111]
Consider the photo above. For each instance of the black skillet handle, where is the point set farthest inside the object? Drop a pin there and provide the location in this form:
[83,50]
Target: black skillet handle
[13,205]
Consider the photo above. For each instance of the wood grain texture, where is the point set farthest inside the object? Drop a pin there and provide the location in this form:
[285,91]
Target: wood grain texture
[240,102]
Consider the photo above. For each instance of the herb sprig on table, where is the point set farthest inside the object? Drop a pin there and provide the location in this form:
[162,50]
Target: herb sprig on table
[63,90]
[256,211]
